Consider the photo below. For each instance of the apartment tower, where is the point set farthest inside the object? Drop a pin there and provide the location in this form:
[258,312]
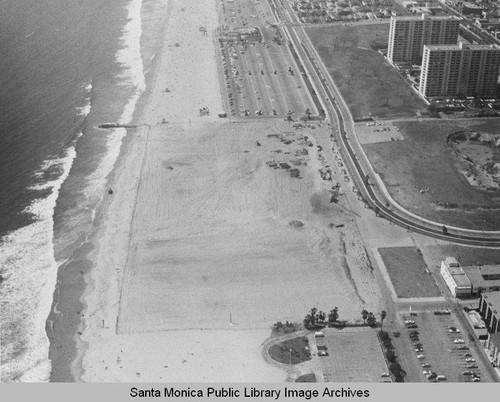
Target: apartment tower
[408,35]
[468,70]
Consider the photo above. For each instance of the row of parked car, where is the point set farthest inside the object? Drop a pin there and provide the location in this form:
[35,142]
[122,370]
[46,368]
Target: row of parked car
[470,362]
[419,350]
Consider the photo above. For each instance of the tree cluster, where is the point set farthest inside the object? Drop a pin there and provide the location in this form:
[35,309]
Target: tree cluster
[318,319]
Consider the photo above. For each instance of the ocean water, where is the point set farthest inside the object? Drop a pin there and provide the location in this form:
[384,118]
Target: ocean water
[65,67]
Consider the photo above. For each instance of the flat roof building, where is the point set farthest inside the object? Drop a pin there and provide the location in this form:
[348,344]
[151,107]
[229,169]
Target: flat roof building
[489,308]
[455,278]
[466,70]
[484,278]
[493,347]
[408,35]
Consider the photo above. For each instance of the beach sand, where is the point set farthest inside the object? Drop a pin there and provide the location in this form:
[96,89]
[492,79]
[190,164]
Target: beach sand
[195,258]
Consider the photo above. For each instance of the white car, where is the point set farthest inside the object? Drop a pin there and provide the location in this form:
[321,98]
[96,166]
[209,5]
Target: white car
[458,341]
[420,357]
[470,360]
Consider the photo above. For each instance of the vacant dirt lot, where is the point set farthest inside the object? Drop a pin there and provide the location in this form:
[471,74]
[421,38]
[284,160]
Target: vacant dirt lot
[368,83]
[422,174]
[408,271]
[216,238]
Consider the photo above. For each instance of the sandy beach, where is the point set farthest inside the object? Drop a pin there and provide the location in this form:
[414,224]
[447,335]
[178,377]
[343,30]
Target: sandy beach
[195,257]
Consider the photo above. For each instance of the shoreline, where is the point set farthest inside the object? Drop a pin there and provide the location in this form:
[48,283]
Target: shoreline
[66,350]
[194,202]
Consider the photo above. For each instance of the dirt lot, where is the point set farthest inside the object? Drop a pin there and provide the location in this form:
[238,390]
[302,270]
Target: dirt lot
[219,249]
[407,170]
[368,83]
[439,349]
[355,355]
[408,272]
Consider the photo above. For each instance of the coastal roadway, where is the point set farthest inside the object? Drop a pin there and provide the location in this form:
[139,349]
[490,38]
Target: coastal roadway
[366,179]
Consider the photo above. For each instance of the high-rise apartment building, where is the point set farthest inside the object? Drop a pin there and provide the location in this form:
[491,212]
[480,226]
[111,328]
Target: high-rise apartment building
[468,70]
[408,35]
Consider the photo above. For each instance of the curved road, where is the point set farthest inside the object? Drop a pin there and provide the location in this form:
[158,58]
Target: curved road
[375,194]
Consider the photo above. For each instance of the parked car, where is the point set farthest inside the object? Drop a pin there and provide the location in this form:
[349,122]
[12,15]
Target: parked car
[467,372]
[385,375]
[409,322]
[471,366]
[420,357]
[411,326]
[322,353]
[462,347]
[454,329]
[426,365]
[476,379]
[458,340]
[470,360]
[419,350]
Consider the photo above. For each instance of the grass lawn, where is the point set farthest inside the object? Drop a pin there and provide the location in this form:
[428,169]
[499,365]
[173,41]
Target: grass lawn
[368,83]
[408,272]
[281,351]
[306,378]
[422,174]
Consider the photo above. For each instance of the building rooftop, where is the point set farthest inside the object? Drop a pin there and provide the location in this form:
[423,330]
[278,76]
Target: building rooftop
[451,262]
[493,300]
[483,276]
[425,17]
[462,46]
[456,271]
[495,339]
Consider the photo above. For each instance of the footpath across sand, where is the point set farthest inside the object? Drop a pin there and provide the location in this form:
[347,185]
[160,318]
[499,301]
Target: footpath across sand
[196,257]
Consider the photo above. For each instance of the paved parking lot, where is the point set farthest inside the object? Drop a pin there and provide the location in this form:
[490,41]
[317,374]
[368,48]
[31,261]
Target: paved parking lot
[440,351]
[355,355]
[261,78]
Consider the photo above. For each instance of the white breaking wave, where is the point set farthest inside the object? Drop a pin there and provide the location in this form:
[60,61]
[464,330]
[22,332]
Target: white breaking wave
[85,110]
[29,273]
[27,262]
[132,76]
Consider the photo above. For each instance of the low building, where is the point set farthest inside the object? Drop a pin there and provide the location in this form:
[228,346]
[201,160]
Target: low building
[478,324]
[484,278]
[493,347]
[489,308]
[455,278]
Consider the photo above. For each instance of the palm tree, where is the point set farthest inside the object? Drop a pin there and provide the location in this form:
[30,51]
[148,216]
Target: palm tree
[321,317]
[383,314]
[333,316]
[364,314]
[371,319]
[311,318]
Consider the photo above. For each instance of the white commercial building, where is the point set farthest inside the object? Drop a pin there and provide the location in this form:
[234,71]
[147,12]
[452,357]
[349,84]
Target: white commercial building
[454,276]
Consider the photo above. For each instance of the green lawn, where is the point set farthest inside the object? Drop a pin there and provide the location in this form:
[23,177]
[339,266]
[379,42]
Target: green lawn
[368,83]
[408,272]
[423,162]
[298,354]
